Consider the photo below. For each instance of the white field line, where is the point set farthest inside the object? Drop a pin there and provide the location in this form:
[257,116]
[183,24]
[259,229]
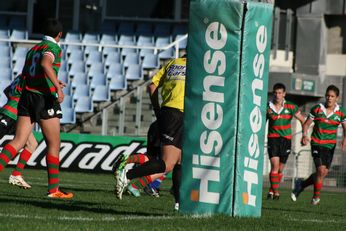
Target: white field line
[111,219]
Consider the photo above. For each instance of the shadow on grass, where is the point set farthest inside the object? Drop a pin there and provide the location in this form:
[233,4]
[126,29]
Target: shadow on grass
[72,205]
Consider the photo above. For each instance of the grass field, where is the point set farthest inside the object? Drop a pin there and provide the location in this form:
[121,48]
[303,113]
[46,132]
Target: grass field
[96,208]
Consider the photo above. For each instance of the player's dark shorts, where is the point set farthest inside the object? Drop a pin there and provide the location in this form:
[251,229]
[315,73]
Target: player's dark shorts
[7,126]
[38,106]
[153,141]
[171,126]
[279,147]
[322,155]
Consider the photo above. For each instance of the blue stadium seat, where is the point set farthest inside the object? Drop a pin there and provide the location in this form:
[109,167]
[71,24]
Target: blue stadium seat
[68,102]
[71,49]
[145,40]
[73,36]
[134,72]
[18,66]
[131,59]
[145,51]
[108,39]
[163,41]
[63,77]
[5,51]
[96,68]
[81,91]
[63,65]
[110,50]
[84,104]
[76,67]
[91,38]
[182,43]
[98,79]
[126,40]
[19,35]
[94,57]
[112,58]
[79,78]
[150,61]
[115,69]
[90,49]
[118,82]
[4,33]
[19,53]
[6,74]
[68,115]
[166,54]
[3,85]
[5,61]
[77,55]
[67,89]
[101,93]
[3,99]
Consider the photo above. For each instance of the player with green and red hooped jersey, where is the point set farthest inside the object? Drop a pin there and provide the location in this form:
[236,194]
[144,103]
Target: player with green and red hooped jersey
[326,118]
[280,121]
[279,115]
[36,80]
[325,128]
[13,93]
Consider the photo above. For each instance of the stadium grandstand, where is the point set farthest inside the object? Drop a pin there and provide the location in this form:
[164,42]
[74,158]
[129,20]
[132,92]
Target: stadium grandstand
[111,49]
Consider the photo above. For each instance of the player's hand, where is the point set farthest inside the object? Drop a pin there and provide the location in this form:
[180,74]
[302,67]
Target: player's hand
[305,140]
[60,96]
[62,84]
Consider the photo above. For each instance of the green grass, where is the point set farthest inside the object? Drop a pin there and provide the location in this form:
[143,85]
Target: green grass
[96,208]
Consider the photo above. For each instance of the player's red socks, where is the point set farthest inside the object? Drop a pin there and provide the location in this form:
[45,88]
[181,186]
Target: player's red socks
[142,182]
[8,153]
[274,182]
[53,173]
[137,159]
[23,158]
[317,189]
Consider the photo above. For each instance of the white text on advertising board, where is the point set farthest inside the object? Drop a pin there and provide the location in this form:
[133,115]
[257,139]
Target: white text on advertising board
[206,165]
[251,159]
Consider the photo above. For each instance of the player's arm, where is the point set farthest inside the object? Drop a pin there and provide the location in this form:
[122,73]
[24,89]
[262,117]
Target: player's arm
[306,125]
[47,65]
[343,143]
[154,98]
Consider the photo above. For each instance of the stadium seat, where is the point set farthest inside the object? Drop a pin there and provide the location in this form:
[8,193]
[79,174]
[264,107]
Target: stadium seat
[68,102]
[79,78]
[182,43]
[108,39]
[19,35]
[126,40]
[63,65]
[77,55]
[3,85]
[3,99]
[84,104]
[134,72]
[94,57]
[118,82]
[81,91]
[131,59]
[145,40]
[101,93]
[4,33]
[19,53]
[76,67]
[67,89]
[110,50]
[145,51]
[112,58]
[71,49]
[90,49]
[166,54]
[63,77]
[96,68]
[99,79]
[68,115]
[5,51]
[6,74]
[18,66]
[163,41]
[5,62]
[150,61]
[115,69]
[73,36]
[91,38]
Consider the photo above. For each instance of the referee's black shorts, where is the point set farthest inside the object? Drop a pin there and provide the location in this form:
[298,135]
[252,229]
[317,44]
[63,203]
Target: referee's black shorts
[38,107]
[171,126]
